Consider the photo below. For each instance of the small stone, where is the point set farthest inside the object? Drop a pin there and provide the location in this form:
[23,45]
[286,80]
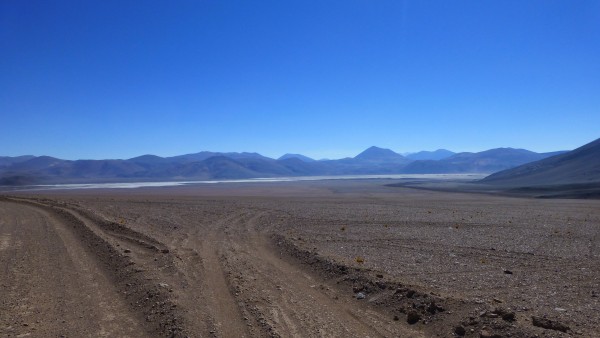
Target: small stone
[165,251]
[126,251]
[485,334]
[360,295]
[163,285]
[509,316]
[413,317]
[549,324]
[396,318]
[508,272]
[380,285]
[379,275]
[459,330]
[431,308]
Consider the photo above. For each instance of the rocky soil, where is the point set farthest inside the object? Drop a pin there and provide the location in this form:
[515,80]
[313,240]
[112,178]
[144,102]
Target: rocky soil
[309,259]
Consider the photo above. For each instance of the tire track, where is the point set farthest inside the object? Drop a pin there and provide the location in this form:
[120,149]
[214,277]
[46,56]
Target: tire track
[56,287]
[289,301]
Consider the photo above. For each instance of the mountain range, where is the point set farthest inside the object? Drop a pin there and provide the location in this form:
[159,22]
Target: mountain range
[205,165]
[579,166]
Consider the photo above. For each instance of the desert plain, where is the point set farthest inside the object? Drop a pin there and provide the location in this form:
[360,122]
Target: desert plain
[352,258]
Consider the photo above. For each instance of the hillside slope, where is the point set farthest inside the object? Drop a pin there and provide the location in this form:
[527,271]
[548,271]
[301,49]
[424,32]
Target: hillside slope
[581,165]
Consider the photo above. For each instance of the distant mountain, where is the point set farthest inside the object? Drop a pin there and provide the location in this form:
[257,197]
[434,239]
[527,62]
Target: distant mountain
[38,163]
[203,155]
[213,165]
[375,154]
[216,167]
[298,156]
[488,161]
[6,160]
[46,166]
[148,160]
[581,165]
[430,155]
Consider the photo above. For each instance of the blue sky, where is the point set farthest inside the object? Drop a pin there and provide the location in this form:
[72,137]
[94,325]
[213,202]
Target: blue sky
[117,79]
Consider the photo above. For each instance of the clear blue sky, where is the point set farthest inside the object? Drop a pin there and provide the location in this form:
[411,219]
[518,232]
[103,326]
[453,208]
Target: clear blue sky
[117,79]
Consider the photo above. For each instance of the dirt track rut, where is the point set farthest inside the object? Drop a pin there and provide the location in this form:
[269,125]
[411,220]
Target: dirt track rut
[253,291]
[222,278]
[52,285]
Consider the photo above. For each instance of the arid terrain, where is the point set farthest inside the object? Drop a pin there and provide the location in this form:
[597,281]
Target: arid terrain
[300,259]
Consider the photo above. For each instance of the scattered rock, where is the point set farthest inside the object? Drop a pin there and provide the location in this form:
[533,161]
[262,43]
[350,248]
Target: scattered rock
[487,334]
[459,330]
[507,315]
[396,318]
[165,251]
[379,275]
[126,251]
[163,285]
[433,308]
[508,272]
[360,295]
[413,317]
[549,324]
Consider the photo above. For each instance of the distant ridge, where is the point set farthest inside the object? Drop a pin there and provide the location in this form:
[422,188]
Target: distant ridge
[207,165]
[298,156]
[376,154]
[581,165]
[435,155]
[6,161]
[487,161]
[203,155]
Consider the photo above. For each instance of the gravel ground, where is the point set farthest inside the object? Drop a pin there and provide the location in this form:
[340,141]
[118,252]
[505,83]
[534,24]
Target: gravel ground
[356,258]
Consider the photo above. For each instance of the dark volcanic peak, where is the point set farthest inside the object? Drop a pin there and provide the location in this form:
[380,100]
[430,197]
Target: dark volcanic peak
[298,156]
[376,154]
[431,155]
[581,165]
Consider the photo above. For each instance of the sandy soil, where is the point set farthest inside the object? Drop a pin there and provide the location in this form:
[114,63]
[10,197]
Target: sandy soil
[310,259]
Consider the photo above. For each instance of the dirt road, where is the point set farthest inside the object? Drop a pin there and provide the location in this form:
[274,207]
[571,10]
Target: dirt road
[52,285]
[220,278]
